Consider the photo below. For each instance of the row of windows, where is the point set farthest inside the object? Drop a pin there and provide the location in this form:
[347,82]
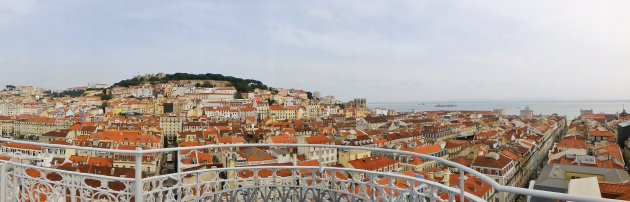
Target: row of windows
[25,152]
[133,158]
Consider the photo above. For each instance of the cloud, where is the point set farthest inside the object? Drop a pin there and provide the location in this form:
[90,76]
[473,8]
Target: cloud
[398,50]
[14,10]
[19,7]
[323,14]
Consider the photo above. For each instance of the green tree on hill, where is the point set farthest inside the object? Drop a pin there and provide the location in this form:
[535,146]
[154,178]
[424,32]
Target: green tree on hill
[242,85]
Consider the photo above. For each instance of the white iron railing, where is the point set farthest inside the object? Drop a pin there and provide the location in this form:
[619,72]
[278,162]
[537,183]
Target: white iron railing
[22,182]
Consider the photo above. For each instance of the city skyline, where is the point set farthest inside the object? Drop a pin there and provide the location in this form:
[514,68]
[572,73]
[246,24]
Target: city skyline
[333,100]
[399,51]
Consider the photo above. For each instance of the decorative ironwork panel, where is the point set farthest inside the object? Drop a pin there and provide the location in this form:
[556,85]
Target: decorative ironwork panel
[29,183]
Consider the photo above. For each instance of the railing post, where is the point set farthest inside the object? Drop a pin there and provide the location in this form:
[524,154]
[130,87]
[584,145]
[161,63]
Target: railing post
[138,182]
[179,160]
[462,190]
[3,182]
[15,189]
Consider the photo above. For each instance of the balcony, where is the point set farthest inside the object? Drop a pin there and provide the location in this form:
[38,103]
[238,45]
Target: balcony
[20,181]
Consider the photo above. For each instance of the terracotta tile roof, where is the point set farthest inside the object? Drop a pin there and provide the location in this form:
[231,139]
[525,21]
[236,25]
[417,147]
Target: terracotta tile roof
[307,163]
[60,142]
[598,133]
[189,144]
[486,135]
[120,136]
[375,119]
[57,133]
[231,140]
[126,147]
[572,143]
[6,118]
[196,157]
[431,149]
[462,160]
[612,150]
[318,140]
[416,161]
[22,146]
[5,158]
[100,161]
[452,143]
[615,191]
[276,108]
[380,142]
[76,126]
[283,139]
[511,155]
[473,185]
[184,134]
[490,162]
[372,163]
[254,154]
[289,131]
[93,161]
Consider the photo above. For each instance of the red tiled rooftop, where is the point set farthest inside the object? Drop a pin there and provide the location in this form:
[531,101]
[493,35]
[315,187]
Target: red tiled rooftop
[283,139]
[254,154]
[22,146]
[372,163]
[490,162]
[231,140]
[317,140]
[598,133]
[572,143]
[615,191]
[431,149]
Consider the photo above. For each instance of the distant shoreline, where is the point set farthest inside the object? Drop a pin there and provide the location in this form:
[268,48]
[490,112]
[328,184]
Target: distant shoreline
[494,101]
[569,108]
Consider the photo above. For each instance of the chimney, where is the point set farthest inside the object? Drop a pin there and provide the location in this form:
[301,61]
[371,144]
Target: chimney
[294,158]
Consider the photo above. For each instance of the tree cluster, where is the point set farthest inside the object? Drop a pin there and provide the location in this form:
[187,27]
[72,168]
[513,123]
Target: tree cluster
[71,93]
[105,96]
[241,85]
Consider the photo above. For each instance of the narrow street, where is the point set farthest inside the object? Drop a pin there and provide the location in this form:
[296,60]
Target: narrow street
[535,162]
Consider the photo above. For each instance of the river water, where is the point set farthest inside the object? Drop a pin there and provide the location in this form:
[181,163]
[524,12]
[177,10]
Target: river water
[571,109]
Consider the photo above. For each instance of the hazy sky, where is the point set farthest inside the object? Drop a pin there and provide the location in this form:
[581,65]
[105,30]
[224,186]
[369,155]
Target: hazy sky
[381,50]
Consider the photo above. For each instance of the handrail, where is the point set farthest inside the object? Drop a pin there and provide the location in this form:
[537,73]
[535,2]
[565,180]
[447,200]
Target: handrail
[320,188]
[320,169]
[2,139]
[486,179]
[68,172]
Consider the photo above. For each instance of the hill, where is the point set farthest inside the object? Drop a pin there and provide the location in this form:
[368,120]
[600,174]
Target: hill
[208,80]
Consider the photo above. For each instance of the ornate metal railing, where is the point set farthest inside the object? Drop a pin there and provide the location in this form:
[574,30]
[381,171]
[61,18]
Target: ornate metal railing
[23,182]
[31,183]
[285,183]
